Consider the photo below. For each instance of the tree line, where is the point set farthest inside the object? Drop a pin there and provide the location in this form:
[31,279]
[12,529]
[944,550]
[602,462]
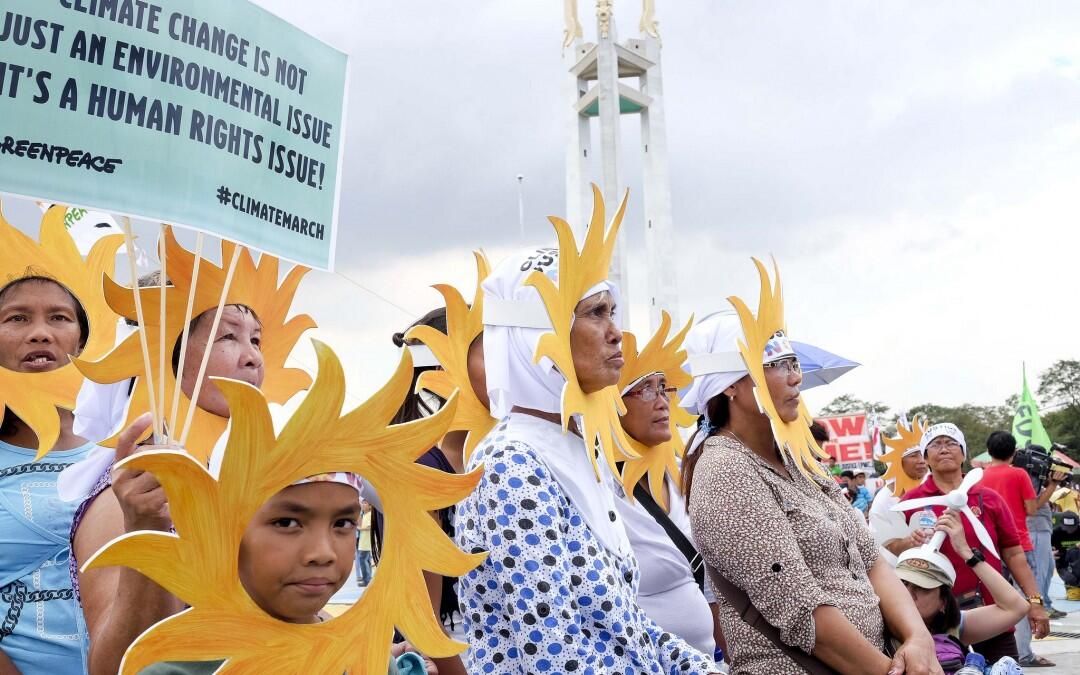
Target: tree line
[1058,393]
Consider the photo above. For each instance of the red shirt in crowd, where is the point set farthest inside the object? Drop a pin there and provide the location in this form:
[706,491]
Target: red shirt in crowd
[995,517]
[1014,486]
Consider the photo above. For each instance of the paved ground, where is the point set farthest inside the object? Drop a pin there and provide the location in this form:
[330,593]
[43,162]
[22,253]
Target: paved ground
[1063,645]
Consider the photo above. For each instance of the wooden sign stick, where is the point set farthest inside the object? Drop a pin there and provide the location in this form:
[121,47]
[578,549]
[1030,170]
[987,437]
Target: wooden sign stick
[129,242]
[184,335]
[210,343]
[163,281]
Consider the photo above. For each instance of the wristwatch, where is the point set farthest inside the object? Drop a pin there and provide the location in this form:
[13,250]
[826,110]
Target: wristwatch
[1035,600]
[976,558]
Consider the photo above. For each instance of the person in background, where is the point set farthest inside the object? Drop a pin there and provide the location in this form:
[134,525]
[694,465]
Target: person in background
[1041,527]
[1017,488]
[945,450]
[847,477]
[363,547]
[890,528]
[119,603]
[862,497]
[821,437]
[929,576]
[1066,543]
[1067,498]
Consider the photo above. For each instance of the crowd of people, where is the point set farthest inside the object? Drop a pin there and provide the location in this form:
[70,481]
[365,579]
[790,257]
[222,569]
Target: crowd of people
[604,543]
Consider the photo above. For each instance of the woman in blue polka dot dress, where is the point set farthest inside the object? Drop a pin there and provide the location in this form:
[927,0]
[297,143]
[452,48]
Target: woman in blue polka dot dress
[558,591]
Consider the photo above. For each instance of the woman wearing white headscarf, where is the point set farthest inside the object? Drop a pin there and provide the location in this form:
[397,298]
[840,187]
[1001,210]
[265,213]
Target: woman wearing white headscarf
[774,531]
[557,592]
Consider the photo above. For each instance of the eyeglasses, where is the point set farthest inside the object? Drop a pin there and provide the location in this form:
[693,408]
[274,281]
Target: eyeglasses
[786,366]
[943,443]
[650,393]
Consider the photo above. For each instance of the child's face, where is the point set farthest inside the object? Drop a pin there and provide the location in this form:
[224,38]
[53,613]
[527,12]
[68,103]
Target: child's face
[298,549]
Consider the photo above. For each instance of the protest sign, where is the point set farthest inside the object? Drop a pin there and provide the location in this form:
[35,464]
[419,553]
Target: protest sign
[849,440]
[217,116]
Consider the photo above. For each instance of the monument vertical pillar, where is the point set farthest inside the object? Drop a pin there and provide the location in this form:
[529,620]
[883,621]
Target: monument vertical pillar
[659,241]
[579,149]
[597,87]
[609,118]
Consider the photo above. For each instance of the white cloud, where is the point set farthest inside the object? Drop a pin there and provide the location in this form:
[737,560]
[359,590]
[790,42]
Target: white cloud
[912,167]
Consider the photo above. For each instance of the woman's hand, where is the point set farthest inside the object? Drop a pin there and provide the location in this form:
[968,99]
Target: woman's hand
[916,657]
[141,497]
[916,538]
[949,523]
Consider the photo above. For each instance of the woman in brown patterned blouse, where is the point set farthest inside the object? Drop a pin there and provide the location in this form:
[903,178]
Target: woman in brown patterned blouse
[802,555]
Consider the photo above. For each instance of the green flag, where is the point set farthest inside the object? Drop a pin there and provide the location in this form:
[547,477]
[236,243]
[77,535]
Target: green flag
[1027,427]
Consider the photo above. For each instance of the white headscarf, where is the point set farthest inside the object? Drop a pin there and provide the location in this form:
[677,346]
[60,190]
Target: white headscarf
[514,320]
[712,358]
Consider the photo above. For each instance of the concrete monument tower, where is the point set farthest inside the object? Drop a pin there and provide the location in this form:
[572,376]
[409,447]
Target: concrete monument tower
[600,85]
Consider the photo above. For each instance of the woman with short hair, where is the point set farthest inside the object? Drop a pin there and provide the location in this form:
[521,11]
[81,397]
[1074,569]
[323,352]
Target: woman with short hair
[41,324]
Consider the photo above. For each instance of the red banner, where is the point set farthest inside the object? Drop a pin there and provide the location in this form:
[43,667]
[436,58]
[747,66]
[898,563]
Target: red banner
[849,438]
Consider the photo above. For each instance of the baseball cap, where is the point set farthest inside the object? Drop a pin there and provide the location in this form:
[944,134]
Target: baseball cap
[1070,520]
[926,568]
[946,429]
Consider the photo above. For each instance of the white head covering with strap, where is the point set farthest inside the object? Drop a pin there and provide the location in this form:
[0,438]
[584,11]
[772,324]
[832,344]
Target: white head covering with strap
[514,320]
[713,359]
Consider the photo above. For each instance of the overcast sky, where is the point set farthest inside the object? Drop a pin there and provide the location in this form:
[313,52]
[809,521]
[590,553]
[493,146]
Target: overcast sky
[914,168]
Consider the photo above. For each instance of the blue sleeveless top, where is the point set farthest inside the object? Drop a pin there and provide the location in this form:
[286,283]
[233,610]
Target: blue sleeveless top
[41,624]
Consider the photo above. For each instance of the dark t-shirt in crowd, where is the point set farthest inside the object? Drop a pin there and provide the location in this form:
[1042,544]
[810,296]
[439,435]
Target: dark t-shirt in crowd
[1065,543]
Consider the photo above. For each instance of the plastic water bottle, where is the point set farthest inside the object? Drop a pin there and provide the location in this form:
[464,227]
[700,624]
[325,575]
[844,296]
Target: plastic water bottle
[925,520]
[974,664]
[1005,666]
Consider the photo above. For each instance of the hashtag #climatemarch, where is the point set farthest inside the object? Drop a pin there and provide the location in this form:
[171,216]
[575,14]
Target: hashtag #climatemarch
[270,214]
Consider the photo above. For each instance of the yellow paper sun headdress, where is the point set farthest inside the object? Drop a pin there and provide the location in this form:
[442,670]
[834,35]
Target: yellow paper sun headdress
[451,349]
[666,356]
[254,286]
[899,447]
[580,271]
[199,562]
[760,333]
[35,397]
